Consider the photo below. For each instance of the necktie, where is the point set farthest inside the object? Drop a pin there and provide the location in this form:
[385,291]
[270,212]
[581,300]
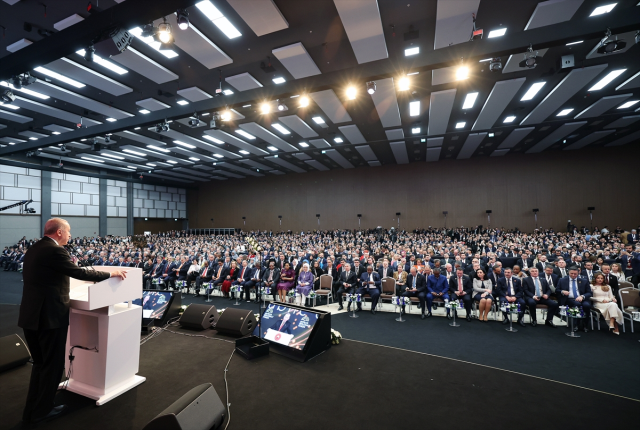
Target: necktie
[219,270]
[459,284]
[537,283]
[562,270]
[414,281]
[370,280]
[347,278]
[607,279]
[270,275]
[574,287]
[205,272]
[242,274]
[510,288]
[281,325]
[549,281]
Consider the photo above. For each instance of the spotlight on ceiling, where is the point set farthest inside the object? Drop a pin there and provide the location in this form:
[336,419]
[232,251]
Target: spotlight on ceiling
[226,115]
[183,19]
[495,65]
[530,59]
[22,80]
[107,139]
[7,97]
[608,46]
[88,53]
[164,32]
[162,127]
[265,108]
[371,87]
[351,93]
[304,101]
[404,84]
[215,122]
[148,30]
[462,73]
[281,106]
[194,121]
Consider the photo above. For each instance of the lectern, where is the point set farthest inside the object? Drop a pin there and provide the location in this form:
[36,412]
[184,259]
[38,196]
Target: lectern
[104,328]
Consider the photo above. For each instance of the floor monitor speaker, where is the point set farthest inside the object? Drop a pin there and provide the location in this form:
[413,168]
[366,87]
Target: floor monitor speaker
[199,317]
[236,322]
[13,352]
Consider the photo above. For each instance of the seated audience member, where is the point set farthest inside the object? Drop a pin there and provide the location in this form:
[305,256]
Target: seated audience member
[347,284]
[483,290]
[617,272]
[316,271]
[437,287]
[244,277]
[416,286]
[287,277]
[509,290]
[605,302]
[461,288]
[203,277]
[575,291]
[255,280]
[271,278]
[518,273]
[400,276]
[561,269]
[304,284]
[168,274]
[369,284]
[229,279]
[537,292]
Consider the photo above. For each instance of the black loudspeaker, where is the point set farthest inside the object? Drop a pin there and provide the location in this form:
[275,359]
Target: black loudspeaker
[13,352]
[199,317]
[199,409]
[236,322]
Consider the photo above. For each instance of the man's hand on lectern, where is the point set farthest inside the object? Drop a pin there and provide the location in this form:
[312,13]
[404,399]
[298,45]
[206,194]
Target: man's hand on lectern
[119,274]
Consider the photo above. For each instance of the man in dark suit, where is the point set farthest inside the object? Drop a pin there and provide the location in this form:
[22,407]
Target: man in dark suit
[156,271]
[524,262]
[203,277]
[416,286]
[243,278]
[44,314]
[552,281]
[385,271]
[575,291]
[630,263]
[335,276]
[283,324]
[461,288]
[255,280]
[271,277]
[509,290]
[537,292]
[588,272]
[346,284]
[632,238]
[370,284]
[168,272]
[437,287]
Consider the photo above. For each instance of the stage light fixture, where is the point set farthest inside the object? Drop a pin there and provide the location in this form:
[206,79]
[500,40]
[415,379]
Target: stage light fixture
[215,122]
[371,87]
[404,84]
[164,32]
[265,108]
[351,92]
[148,30]
[162,127]
[462,73]
[611,46]
[304,101]
[495,65]
[183,19]
[226,115]
[7,96]
[281,106]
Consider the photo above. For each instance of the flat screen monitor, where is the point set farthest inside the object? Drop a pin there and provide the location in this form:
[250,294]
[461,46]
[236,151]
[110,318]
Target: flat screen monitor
[287,325]
[154,303]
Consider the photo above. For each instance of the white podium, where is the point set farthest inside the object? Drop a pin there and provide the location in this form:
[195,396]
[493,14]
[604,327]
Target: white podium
[108,331]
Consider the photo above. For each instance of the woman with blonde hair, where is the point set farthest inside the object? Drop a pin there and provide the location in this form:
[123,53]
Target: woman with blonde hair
[616,270]
[604,301]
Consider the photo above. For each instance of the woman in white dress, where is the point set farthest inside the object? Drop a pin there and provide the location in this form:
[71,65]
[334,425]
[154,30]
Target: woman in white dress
[604,301]
[616,270]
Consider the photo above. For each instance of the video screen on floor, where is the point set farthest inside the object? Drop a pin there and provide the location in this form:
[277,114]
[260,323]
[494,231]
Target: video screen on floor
[154,303]
[286,325]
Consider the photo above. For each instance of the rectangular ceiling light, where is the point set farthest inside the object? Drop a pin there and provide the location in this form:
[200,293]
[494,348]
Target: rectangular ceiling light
[600,10]
[497,33]
[172,162]
[157,148]
[142,154]
[272,148]
[104,154]
[304,144]
[242,151]
[111,119]
[318,120]
[279,80]
[186,145]
[461,124]
[59,77]
[245,134]
[574,43]
[629,104]
[213,139]
[605,81]
[105,63]
[414,108]
[92,159]
[10,106]
[281,129]
[338,140]
[220,21]
[509,119]
[565,112]
[415,130]
[194,159]
[532,91]
[411,51]
[218,156]
[169,53]
[183,102]
[144,111]
[469,101]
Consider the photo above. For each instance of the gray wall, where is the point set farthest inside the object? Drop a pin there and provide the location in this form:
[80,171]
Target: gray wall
[117,226]
[83,226]
[14,227]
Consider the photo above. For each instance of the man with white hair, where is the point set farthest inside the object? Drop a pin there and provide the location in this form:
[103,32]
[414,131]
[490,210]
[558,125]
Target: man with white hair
[44,314]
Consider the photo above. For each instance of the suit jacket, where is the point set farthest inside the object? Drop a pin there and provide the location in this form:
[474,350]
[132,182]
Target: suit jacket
[494,279]
[613,283]
[246,277]
[286,328]
[558,272]
[439,285]
[352,279]
[257,273]
[554,278]
[364,278]
[635,263]
[358,272]
[529,288]
[421,282]
[584,288]
[502,288]
[632,238]
[45,292]
[520,262]
[223,273]
[333,272]
[585,275]
[207,277]
[389,272]
[467,287]
[276,276]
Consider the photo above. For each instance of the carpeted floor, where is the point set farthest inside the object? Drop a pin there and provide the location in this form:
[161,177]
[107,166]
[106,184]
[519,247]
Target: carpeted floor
[353,385]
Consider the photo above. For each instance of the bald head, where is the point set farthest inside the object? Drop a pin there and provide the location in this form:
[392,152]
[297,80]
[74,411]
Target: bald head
[59,230]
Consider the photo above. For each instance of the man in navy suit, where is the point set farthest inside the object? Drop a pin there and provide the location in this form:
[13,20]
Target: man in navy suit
[552,280]
[156,271]
[168,274]
[460,288]
[588,271]
[509,290]
[244,277]
[255,280]
[416,286]
[631,263]
[632,238]
[385,271]
[283,325]
[575,291]
[437,287]
[370,284]
[536,291]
